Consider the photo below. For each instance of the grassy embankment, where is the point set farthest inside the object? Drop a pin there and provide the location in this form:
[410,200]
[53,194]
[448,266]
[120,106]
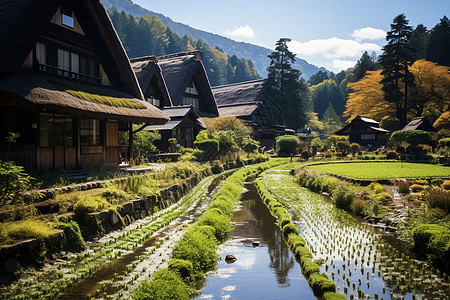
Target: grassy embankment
[196,251]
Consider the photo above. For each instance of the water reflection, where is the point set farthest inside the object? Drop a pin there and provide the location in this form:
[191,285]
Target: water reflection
[267,271]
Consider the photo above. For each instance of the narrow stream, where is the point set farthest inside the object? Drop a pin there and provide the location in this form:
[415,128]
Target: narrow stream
[264,271]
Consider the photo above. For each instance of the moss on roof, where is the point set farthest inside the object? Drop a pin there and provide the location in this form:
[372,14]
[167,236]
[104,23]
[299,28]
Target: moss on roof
[107,100]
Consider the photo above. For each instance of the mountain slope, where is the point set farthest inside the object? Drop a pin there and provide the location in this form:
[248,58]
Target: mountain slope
[257,54]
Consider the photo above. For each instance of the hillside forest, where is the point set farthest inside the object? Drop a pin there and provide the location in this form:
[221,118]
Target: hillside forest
[327,100]
[147,35]
[411,78]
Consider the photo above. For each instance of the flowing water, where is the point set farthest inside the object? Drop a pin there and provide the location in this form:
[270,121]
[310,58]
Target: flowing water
[265,267]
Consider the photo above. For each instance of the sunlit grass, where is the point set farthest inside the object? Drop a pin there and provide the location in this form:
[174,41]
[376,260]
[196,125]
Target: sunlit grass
[383,170]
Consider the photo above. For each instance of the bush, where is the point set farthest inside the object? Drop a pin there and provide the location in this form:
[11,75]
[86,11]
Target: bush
[13,181]
[287,144]
[250,145]
[165,284]
[197,248]
[417,188]
[89,204]
[432,242]
[182,267]
[403,187]
[210,147]
[446,185]
[438,198]
[383,197]
[115,196]
[289,228]
[220,222]
[321,284]
[343,197]
[376,187]
[358,206]
[73,234]
[305,154]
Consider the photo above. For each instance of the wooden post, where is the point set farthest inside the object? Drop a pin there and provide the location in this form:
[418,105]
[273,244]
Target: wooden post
[130,141]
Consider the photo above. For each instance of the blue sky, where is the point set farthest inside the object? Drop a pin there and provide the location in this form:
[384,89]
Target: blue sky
[328,33]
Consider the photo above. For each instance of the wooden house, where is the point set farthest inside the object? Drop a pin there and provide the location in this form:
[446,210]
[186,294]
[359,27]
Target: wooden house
[184,125]
[365,132]
[420,123]
[66,85]
[189,95]
[248,102]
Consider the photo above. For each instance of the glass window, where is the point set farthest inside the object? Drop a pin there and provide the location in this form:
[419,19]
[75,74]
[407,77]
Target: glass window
[67,17]
[55,130]
[90,132]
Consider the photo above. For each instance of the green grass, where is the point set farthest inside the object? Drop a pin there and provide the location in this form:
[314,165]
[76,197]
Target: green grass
[26,229]
[383,170]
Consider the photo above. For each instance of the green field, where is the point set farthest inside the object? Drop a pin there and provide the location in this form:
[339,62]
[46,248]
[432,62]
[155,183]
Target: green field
[383,170]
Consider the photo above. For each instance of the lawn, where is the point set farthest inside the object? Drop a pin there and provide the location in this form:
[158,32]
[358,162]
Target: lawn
[383,170]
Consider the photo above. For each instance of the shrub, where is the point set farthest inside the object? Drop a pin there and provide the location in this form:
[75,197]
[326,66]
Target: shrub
[438,181]
[432,241]
[358,206]
[13,181]
[309,267]
[197,248]
[403,187]
[305,154]
[182,267]
[165,284]
[446,185]
[210,147]
[343,197]
[250,145]
[439,198]
[376,187]
[383,197]
[289,228]
[321,284]
[287,144]
[220,222]
[73,234]
[417,188]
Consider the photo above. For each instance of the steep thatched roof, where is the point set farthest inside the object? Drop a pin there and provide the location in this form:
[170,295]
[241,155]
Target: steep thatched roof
[238,99]
[147,68]
[179,69]
[177,115]
[22,22]
[35,91]
[420,123]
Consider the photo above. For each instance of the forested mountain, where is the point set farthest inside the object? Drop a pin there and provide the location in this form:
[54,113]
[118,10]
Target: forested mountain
[257,54]
[147,35]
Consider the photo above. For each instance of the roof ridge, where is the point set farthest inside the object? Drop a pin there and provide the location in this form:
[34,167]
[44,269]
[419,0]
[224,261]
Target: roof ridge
[144,58]
[237,83]
[198,55]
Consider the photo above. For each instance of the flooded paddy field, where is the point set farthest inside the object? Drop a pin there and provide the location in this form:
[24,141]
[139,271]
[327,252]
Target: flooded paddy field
[364,262]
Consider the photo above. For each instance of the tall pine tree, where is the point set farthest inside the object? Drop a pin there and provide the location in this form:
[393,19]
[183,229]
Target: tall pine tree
[438,48]
[284,86]
[396,58]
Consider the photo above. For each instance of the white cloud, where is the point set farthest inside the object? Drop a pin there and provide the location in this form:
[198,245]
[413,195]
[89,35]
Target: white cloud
[332,48]
[368,33]
[343,64]
[241,32]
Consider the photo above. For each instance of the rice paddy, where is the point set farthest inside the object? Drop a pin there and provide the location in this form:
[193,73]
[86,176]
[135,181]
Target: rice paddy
[353,255]
[383,170]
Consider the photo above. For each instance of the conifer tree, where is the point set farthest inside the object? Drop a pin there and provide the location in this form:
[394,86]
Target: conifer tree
[396,58]
[438,48]
[288,92]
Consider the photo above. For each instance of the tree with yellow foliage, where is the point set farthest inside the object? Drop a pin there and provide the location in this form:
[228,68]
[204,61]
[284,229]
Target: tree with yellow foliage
[367,98]
[429,96]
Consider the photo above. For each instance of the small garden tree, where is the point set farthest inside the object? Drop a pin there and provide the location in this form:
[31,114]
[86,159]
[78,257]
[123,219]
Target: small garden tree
[411,137]
[316,145]
[287,144]
[333,139]
[354,147]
